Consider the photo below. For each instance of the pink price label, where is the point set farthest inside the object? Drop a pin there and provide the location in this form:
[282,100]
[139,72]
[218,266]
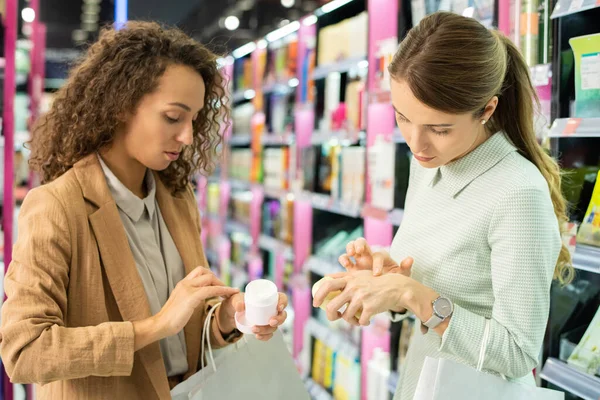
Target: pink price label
[571,127]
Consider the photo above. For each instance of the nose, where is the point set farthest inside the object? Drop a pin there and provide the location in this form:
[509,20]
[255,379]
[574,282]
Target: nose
[417,140]
[186,136]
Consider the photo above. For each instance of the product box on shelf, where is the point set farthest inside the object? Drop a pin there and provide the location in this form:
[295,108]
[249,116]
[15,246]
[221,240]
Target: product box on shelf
[587,75]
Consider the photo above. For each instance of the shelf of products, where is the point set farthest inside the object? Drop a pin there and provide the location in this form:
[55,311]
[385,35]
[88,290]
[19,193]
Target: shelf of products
[575,127]
[587,258]
[272,244]
[236,227]
[328,203]
[240,140]
[568,7]
[321,266]
[570,379]
[346,65]
[317,392]
[336,340]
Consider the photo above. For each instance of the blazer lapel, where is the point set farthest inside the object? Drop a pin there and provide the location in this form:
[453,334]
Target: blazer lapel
[119,264]
[182,227]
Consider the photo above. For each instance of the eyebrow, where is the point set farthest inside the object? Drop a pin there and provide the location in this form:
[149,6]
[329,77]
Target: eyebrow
[181,105]
[428,125]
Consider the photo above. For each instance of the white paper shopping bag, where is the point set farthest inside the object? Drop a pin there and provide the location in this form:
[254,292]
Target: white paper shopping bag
[443,379]
[247,370]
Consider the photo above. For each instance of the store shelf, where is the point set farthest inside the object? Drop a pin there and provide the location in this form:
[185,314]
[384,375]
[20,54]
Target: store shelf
[568,7]
[240,139]
[322,266]
[393,217]
[274,245]
[238,184]
[275,193]
[587,258]
[393,381]
[570,379]
[236,227]
[346,65]
[327,203]
[238,96]
[278,88]
[344,136]
[575,127]
[316,391]
[333,339]
[276,139]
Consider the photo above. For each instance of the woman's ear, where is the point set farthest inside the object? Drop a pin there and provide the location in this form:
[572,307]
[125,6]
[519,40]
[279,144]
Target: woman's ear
[489,109]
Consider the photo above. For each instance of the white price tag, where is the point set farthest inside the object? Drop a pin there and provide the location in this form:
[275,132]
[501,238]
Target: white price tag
[590,71]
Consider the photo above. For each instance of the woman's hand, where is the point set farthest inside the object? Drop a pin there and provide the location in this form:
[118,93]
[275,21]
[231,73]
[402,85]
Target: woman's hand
[236,304]
[199,285]
[379,261]
[365,293]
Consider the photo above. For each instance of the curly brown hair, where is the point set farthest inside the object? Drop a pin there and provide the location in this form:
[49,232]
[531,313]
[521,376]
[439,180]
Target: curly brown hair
[116,73]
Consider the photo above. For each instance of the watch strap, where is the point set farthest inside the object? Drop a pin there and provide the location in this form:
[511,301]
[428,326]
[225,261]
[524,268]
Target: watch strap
[433,322]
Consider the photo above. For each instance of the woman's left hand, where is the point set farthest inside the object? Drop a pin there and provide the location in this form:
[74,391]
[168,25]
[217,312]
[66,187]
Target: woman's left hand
[236,304]
[364,293]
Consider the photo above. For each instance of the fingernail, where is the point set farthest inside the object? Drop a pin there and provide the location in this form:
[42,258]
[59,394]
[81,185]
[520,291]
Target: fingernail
[281,308]
[273,323]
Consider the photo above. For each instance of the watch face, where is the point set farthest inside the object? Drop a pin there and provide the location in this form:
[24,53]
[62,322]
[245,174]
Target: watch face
[443,307]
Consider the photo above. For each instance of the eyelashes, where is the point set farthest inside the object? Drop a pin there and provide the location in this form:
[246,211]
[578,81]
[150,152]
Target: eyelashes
[431,128]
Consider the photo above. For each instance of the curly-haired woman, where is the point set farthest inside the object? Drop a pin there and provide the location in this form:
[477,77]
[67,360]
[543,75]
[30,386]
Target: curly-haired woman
[108,288]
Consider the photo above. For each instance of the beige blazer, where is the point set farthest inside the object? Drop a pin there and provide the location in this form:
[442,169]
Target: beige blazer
[73,288]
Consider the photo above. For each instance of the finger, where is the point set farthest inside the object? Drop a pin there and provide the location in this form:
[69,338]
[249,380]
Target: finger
[350,249]
[336,304]
[263,330]
[362,247]
[196,272]
[264,338]
[365,317]
[350,313]
[283,302]
[238,302]
[407,263]
[205,280]
[346,262]
[330,285]
[378,259]
[207,292]
[278,320]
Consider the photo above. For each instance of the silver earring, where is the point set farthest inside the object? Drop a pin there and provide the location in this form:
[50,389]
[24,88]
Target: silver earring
[483,121]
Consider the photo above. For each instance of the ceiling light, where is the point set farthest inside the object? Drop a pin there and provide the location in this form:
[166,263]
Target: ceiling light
[28,14]
[333,5]
[244,50]
[283,32]
[232,23]
[310,20]
[288,3]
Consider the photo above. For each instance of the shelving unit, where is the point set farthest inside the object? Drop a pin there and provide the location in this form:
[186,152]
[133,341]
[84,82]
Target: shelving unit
[341,66]
[587,258]
[314,208]
[571,380]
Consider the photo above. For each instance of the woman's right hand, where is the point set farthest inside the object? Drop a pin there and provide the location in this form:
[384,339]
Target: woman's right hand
[379,261]
[197,286]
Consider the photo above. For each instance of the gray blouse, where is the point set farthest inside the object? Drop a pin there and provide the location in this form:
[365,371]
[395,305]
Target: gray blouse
[157,259]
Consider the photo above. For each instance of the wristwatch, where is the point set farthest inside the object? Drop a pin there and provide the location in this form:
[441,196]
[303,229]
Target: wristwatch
[442,309]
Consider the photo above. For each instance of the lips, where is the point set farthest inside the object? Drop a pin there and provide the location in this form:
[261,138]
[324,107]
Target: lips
[424,159]
[173,155]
